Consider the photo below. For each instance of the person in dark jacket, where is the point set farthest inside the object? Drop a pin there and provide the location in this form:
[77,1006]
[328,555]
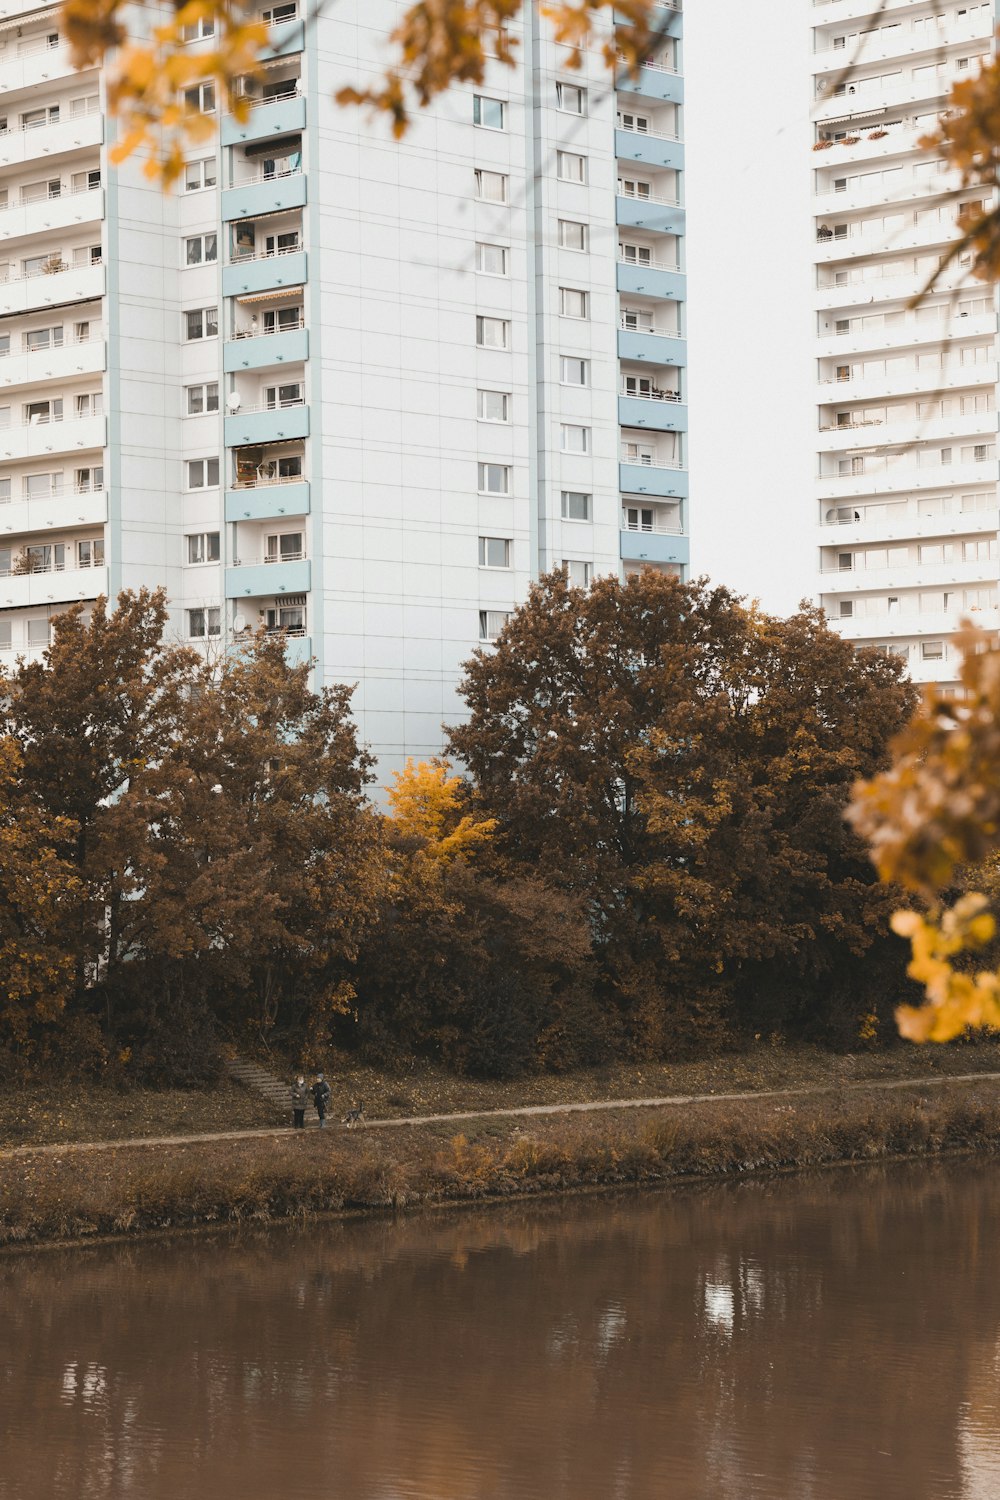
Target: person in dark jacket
[321,1098]
[300,1101]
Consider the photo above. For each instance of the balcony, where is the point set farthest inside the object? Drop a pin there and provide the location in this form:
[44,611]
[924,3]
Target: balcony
[650,147]
[62,512]
[652,279]
[911,429]
[889,140]
[26,220]
[261,351]
[879,289]
[49,141]
[268,119]
[267,500]
[41,365]
[264,273]
[899,44]
[23,294]
[654,413]
[902,478]
[910,91]
[825,205]
[917,623]
[37,440]
[664,480]
[655,81]
[284,38]
[881,241]
[264,195]
[903,520]
[658,215]
[909,575]
[268,580]
[30,70]
[658,545]
[658,348]
[907,334]
[908,382]
[266,424]
[64,586]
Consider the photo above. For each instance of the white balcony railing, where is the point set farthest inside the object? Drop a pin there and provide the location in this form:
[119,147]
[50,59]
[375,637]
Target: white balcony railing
[635,197]
[256,562]
[262,176]
[662,333]
[32,48]
[650,62]
[653,528]
[260,481]
[259,333]
[96,332]
[654,395]
[240,257]
[653,265]
[55,269]
[269,406]
[650,463]
[652,135]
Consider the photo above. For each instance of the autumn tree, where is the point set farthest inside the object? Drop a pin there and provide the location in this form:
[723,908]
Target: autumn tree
[680,763]
[481,966]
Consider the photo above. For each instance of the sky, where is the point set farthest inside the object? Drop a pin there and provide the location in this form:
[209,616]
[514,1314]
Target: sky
[750,319]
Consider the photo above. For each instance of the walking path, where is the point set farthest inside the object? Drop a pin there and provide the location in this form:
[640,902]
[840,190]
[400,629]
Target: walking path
[63,1148]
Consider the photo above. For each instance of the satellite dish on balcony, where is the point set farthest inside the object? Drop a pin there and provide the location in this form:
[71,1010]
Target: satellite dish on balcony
[234,401]
[240,624]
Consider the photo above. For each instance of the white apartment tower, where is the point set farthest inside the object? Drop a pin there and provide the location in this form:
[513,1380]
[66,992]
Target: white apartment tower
[907,471]
[353,391]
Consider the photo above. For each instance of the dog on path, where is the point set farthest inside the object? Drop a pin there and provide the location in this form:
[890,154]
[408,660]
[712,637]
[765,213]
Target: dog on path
[355,1115]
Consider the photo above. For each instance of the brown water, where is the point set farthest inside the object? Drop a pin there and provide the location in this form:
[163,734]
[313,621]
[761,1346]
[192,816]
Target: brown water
[816,1338]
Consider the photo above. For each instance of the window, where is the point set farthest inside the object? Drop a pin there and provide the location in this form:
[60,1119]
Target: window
[572,236]
[578,574]
[494,552]
[31,119]
[203,473]
[285,546]
[491,187]
[81,332]
[89,481]
[979,551]
[87,255]
[202,398]
[290,618]
[571,99]
[279,13]
[86,182]
[201,98]
[38,632]
[492,333]
[572,304]
[41,486]
[89,404]
[199,174]
[932,650]
[4,489]
[574,439]
[197,30]
[38,192]
[494,479]
[201,323]
[575,506]
[278,396]
[203,547]
[90,554]
[201,249]
[278,320]
[977,502]
[492,622]
[846,608]
[571,167]
[203,623]
[5,640]
[84,104]
[36,412]
[573,371]
[491,259]
[635,187]
[494,406]
[491,114]
[845,562]
[44,338]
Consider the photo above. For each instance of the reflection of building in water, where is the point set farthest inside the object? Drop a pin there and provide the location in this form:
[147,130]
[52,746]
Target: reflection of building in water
[907,454]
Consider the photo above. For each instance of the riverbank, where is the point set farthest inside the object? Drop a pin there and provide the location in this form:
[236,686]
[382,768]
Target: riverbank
[133,1188]
[55,1111]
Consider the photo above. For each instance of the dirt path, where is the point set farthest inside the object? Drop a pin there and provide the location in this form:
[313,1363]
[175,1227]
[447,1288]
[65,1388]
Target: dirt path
[522,1111]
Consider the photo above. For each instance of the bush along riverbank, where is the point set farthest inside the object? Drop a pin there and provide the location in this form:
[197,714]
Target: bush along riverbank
[135,1189]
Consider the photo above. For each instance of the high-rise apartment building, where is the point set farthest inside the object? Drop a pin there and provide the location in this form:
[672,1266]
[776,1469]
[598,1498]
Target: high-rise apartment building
[907,472]
[357,391]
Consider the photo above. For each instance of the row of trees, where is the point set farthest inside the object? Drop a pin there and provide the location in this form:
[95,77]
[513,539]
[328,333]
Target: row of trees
[647,853]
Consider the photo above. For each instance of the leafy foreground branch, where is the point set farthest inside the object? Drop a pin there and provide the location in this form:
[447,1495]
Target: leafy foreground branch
[133,1190]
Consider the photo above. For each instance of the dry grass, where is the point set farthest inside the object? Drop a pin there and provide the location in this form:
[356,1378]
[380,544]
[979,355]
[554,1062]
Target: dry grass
[132,1189]
[59,1112]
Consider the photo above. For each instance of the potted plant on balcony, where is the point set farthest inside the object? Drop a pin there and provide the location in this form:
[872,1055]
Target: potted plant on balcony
[823,145]
[850,140]
[53,264]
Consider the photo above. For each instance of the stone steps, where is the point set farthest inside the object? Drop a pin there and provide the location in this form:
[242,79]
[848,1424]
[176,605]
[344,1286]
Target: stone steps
[252,1076]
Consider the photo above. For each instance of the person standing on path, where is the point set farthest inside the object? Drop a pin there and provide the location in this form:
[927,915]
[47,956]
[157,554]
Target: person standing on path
[300,1101]
[321,1098]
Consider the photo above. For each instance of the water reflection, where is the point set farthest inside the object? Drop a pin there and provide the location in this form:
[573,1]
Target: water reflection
[827,1338]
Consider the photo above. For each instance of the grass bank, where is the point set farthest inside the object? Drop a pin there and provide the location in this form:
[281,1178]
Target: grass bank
[132,1189]
[55,1111]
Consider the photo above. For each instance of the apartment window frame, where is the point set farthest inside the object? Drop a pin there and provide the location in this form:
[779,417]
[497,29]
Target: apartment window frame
[483,247]
[485,177]
[565,102]
[492,622]
[493,547]
[203,548]
[570,500]
[575,578]
[571,297]
[90,552]
[485,321]
[208,394]
[575,431]
[204,622]
[566,239]
[566,371]
[202,243]
[207,324]
[484,105]
[202,97]
[204,166]
[482,405]
[207,466]
[571,166]
[487,470]
[89,480]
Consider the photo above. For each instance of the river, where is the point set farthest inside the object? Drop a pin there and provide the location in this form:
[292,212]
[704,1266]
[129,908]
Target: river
[826,1337]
